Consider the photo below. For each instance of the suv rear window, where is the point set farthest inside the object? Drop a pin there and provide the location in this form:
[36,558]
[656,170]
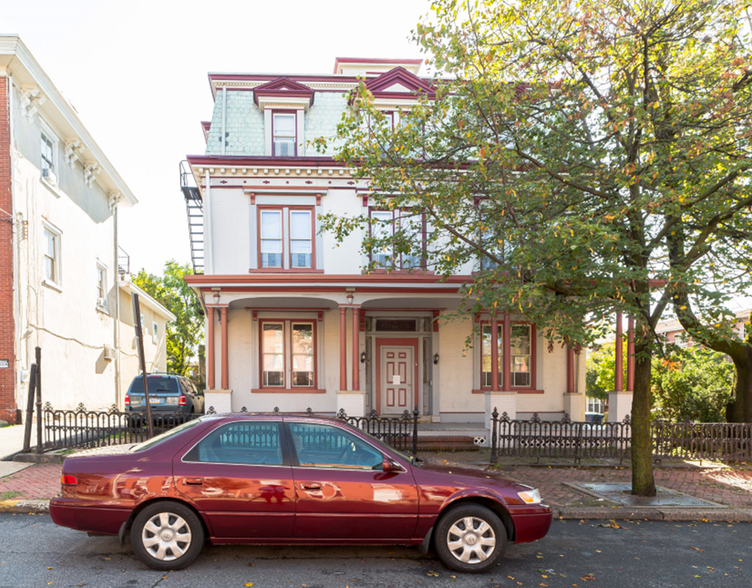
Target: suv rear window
[157,385]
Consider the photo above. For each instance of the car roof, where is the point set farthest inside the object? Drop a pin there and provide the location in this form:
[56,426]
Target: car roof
[282,416]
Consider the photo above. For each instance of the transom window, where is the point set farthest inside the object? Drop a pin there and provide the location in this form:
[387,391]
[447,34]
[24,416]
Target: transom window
[286,237]
[284,133]
[324,446]
[288,348]
[241,443]
[386,223]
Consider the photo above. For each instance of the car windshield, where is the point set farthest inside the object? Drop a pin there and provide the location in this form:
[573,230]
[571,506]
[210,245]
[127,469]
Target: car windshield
[157,385]
[166,435]
[413,459]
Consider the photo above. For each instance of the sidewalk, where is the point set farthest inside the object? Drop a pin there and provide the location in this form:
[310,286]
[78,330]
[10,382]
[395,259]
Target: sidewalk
[11,440]
[727,486]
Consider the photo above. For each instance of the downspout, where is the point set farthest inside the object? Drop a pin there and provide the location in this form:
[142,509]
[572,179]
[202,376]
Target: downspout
[224,117]
[116,326]
[17,322]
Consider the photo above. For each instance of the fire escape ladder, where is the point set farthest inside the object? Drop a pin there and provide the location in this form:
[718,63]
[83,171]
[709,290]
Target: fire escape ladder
[194,207]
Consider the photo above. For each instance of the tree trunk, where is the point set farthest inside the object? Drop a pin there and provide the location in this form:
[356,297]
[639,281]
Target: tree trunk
[643,483]
[739,410]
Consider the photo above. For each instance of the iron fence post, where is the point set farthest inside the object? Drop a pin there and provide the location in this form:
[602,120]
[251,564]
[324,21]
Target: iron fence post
[494,425]
[415,430]
[38,353]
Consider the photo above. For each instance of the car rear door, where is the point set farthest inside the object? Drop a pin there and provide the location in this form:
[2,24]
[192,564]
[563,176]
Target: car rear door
[241,478]
[340,494]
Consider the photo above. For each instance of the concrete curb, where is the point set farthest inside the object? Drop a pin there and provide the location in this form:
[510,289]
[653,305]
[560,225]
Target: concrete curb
[25,506]
[717,515]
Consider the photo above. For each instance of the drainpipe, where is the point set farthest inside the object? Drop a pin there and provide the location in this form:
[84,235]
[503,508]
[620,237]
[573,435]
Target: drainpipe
[224,116]
[17,322]
[116,326]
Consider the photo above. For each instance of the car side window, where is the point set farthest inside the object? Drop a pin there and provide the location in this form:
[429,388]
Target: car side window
[326,446]
[240,443]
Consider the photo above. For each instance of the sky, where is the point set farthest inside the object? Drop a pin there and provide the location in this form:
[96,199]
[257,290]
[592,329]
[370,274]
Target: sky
[136,73]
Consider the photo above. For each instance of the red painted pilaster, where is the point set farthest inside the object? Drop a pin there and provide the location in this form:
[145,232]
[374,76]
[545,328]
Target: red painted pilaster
[355,350]
[210,348]
[570,371]
[619,362]
[225,376]
[342,348]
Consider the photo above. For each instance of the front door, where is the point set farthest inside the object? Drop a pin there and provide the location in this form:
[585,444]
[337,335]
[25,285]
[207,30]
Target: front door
[396,379]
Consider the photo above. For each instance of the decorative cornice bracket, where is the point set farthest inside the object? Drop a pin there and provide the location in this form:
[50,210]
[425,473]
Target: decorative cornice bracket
[91,169]
[113,198]
[73,150]
[31,99]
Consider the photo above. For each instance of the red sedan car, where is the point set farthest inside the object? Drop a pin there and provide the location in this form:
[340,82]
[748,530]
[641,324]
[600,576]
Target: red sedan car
[291,479]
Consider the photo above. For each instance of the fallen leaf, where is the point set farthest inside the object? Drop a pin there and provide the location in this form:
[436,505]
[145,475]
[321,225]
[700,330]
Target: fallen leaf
[49,567]
[249,583]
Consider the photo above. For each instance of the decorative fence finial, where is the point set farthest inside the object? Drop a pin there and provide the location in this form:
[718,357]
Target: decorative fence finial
[211,410]
[243,409]
[276,409]
[341,414]
[627,420]
[566,418]
[308,410]
[80,407]
[536,418]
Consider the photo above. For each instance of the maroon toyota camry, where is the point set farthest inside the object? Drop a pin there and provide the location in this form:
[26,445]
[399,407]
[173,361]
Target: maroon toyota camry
[280,478]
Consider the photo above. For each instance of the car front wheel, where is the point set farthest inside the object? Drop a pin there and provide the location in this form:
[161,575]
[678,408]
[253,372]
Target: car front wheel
[167,536]
[470,538]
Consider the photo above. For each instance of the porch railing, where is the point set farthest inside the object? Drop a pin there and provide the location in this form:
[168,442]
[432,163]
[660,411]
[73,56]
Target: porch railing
[578,439]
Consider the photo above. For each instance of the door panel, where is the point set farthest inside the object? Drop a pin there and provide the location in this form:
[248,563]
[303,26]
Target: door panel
[239,477]
[396,379]
[339,493]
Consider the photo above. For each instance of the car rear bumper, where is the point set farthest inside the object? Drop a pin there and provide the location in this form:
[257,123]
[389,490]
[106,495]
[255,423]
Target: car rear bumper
[531,522]
[77,514]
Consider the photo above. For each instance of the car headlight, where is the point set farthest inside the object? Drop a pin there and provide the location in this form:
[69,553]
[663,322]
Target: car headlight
[531,496]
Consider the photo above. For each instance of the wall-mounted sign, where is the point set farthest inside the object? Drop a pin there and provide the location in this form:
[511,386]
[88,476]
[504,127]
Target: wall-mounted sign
[4,364]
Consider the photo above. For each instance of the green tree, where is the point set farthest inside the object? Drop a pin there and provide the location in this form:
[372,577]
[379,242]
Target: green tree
[593,156]
[186,332]
[692,383]
[601,367]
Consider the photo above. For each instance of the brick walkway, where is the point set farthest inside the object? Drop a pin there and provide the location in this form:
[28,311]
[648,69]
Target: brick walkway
[37,482]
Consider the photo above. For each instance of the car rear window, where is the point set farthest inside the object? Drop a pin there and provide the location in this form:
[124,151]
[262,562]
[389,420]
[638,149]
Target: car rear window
[157,385]
[166,435]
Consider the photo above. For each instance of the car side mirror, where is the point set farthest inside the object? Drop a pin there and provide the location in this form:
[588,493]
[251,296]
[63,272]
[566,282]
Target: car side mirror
[390,465]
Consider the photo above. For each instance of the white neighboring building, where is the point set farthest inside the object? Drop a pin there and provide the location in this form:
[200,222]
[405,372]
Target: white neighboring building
[59,200]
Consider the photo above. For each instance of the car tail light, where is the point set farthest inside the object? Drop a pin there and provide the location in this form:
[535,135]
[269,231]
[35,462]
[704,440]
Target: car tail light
[127,400]
[69,480]
[181,400]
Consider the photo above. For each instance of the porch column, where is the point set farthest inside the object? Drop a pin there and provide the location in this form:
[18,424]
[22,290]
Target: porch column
[355,348]
[495,355]
[570,371]
[506,341]
[210,349]
[573,401]
[342,348]
[619,361]
[225,382]
[630,355]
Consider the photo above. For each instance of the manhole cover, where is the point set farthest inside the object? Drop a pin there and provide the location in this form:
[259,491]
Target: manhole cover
[621,493]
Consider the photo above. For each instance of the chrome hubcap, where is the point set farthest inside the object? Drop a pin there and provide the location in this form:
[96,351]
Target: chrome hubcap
[471,540]
[166,536]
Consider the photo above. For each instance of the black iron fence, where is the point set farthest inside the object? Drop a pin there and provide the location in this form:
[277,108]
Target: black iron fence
[81,428]
[578,439]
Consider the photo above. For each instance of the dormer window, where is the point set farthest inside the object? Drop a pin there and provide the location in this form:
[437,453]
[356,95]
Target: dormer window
[284,127]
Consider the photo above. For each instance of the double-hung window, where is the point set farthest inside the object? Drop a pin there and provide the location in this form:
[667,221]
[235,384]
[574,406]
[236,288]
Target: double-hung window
[384,226]
[288,354]
[284,134]
[286,238]
[48,153]
[51,251]
[521,355]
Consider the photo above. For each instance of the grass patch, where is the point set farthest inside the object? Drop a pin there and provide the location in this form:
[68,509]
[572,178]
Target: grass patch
[8,494]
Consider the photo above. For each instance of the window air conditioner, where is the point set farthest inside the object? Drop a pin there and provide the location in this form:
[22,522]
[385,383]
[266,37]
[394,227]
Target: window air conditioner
[49,176]
[109,353]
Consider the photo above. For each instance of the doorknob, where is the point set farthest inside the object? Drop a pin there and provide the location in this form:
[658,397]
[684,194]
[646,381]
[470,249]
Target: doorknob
[193,481]
[310,486]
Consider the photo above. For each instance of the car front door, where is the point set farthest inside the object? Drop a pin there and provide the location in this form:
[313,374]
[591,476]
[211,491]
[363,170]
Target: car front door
[341,490]
[240,477]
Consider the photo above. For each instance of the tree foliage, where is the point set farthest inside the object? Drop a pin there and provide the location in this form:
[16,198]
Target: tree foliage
[583,157]
[186,332]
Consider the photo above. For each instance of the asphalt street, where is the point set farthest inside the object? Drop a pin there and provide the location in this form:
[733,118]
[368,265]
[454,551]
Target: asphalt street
[35,552]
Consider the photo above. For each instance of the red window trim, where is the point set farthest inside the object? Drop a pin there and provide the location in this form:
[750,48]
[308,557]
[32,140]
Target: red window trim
[286,239]
[295,126]
[531,389]
[422,267]
[288,388]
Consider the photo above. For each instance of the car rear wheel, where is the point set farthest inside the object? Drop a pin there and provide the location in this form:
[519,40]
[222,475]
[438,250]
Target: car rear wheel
[470,538]
[167,536]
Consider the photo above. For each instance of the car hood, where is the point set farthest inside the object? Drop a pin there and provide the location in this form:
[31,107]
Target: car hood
[464,476]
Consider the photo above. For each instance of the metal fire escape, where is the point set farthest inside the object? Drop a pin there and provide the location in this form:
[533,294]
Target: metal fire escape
[194,207]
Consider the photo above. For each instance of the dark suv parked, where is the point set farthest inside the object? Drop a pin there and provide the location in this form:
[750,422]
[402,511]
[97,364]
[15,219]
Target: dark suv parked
[167,393]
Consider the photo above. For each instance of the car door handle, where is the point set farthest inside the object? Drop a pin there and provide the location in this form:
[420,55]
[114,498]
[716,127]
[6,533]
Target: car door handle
[193,481]
[310,486]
